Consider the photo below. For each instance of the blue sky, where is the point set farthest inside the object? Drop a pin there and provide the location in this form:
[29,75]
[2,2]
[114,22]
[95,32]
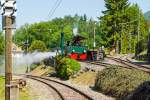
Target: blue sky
[30,11]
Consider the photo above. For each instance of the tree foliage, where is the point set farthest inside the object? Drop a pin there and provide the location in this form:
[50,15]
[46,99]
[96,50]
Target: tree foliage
[49,32]
[110,22]
[121,26]
[37,45]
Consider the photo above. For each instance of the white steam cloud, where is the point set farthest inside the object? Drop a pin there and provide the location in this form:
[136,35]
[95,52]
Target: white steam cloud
[21,61]
[30,58]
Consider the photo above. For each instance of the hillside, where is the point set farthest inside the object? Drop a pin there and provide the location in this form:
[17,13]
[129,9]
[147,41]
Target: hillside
[147,15]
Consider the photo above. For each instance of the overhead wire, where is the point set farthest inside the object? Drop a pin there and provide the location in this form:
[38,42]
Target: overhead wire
[53,7]
[56,5]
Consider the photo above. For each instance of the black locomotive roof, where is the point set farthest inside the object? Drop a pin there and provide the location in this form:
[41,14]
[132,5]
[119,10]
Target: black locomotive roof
[78,38]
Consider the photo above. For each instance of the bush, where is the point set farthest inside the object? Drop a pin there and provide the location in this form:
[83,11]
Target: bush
[2,87]
[119,82]
[66,67]
[142,92]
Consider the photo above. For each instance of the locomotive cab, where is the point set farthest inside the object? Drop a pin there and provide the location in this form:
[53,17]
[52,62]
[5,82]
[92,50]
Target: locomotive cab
[75,50]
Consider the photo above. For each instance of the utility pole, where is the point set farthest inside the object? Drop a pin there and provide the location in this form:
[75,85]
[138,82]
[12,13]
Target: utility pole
[62,42]
[122,27]
[120,40]
[8,10]
[26,44]
[8,57]
[138,36]
[139,26]
[94,44]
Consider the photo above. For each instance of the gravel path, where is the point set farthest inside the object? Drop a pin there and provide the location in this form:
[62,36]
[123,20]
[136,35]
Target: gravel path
[40,90]
[93,94]
[98,67]
[91,66]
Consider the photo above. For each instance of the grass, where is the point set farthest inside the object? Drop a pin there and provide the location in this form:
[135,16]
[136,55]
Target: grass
[2,91]
[42,71]
[27,95]
[47,71]
[119,82]
[86,79]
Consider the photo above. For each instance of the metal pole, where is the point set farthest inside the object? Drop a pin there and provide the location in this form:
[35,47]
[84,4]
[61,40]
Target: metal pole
[94,44]
[139,26]
[138,37]
[26,51]
[62,41]
[62,44]
[120,41]
[8,57]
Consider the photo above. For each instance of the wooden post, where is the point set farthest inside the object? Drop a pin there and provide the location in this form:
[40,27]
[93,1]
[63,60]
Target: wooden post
[8,56]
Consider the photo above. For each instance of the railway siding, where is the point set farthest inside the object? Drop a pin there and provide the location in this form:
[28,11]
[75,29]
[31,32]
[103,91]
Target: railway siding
[129,64]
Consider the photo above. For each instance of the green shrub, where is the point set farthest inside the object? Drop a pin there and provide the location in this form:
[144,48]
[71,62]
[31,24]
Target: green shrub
[119,82]
[142,92]
[66,67]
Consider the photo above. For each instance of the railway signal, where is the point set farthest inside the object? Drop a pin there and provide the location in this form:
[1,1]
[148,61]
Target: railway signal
[8,8]
[8,12]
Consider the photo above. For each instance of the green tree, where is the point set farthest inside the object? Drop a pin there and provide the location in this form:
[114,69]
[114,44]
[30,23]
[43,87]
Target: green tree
[121,25]
[37,45]
[110,22]
[49,32]
[136,27]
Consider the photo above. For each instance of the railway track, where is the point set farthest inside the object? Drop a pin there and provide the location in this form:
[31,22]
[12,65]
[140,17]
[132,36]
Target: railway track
[124,63]
[100,63]
[62,91]
[129,64]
